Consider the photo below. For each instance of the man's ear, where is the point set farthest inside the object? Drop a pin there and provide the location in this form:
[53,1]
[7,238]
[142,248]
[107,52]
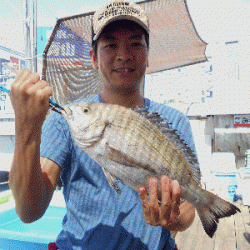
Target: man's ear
[93,58]
[147,62]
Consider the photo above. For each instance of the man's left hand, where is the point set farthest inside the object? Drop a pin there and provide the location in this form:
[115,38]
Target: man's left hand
[166,213]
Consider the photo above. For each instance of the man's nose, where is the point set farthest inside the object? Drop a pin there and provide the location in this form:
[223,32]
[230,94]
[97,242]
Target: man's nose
[124,53]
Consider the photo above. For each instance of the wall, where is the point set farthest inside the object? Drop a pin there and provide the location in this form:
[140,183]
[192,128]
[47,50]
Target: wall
[240,161]
[223,121]
[202,143]
[204,136]
[7,143]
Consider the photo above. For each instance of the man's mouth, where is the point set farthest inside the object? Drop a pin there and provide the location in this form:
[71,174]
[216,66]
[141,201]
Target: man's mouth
[124,70]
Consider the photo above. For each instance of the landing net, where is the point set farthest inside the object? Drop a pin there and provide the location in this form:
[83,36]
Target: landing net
[67,68]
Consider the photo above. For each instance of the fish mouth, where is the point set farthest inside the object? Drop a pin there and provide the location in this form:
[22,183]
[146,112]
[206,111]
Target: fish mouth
[68,112]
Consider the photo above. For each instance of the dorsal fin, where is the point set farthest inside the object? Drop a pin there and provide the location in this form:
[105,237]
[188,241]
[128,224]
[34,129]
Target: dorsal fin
[174,137]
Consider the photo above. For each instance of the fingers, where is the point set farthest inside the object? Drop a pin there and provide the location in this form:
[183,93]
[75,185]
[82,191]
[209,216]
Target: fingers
[151,209]
[145,204]
[166,202]
[41,89]
[30,99]
[154,209]
[25,79]
[176,196]
[168,211]
[28,83]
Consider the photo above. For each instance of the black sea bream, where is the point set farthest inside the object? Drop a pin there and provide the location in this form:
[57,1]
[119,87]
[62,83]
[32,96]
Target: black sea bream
[134,145]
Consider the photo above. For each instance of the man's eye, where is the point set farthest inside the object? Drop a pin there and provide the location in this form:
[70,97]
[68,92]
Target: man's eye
[137,45]
[111,45]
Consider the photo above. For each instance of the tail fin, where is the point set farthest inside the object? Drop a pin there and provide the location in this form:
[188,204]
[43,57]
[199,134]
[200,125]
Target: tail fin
[212,212]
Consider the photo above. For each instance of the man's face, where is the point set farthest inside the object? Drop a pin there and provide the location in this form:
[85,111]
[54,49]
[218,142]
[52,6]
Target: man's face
[122,58]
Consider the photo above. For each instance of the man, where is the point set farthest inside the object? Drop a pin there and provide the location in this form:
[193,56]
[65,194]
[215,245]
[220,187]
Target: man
[97,217]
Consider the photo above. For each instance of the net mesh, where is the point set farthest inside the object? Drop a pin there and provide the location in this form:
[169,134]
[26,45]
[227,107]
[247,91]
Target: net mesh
[67,68]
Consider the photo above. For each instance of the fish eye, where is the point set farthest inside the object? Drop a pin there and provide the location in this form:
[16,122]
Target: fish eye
[86,110]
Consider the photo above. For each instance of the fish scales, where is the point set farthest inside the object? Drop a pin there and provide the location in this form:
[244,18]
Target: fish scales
[130,146]
[146,139]
[163,154]
[132,135]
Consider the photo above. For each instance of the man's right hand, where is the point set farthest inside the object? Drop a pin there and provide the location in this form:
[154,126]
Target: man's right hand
[32,179]
[30,99]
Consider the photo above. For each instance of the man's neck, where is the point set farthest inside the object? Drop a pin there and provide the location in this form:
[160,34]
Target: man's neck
[127,100]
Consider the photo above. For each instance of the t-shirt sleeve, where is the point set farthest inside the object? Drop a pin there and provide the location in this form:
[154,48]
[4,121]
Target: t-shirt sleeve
[183,126]
[56,139]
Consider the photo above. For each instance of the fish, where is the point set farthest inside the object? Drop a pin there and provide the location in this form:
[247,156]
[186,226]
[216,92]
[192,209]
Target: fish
[133,145]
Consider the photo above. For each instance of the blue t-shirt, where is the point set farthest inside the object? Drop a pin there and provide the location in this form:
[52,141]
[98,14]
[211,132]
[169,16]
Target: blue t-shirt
[97,217]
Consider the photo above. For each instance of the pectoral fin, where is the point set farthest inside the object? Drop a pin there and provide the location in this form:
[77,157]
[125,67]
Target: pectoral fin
[111,181]
[124,159]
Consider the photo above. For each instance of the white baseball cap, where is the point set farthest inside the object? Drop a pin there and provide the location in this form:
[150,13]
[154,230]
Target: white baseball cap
[118,10]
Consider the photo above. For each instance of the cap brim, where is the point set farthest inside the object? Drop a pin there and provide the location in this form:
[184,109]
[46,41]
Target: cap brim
[121,17]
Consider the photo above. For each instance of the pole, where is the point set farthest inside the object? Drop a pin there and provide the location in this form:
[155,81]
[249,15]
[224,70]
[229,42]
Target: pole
[35,35]
[26,30]
[25,16]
